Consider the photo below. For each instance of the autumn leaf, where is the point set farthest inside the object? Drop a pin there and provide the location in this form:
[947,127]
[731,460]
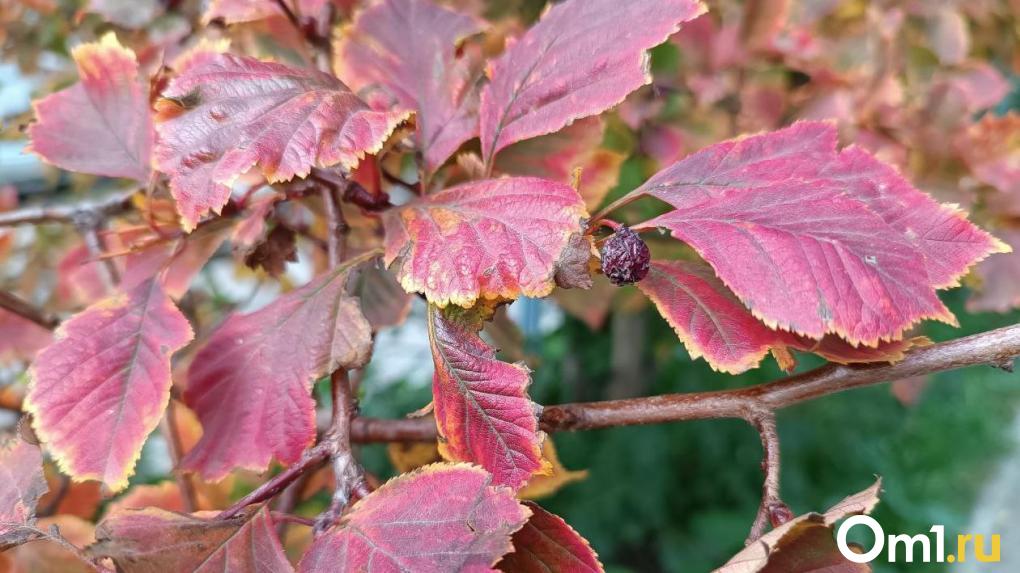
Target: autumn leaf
[559,156]
[547,543]
[814,241]
[491,239]
[999,277]
[99,390]
[176,263]
[165,495]
[577,61]
[707,318]
[482,408]
[101,125]
[805,544]
[383,300]
[250,383]
[224,114]
[539,485]
[21,486]
[159,541]
[407,47]
[21,338]
[237,11]
[45,555]
[991,148]
[438,519]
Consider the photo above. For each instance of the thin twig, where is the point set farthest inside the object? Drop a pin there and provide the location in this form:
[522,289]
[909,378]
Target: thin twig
[24,309]
[771,510]
[111,205]
[347,473]
[172,435]
[996,348]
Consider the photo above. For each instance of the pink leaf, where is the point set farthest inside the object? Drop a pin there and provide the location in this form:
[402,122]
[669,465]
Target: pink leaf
[547,543]
[407,46]
[816,241]
[250,383]
[101,387]
[101,125]
[21,338]
[709,320]
[1000,278]
[580,59]
[497,238]
[483,411]
[438,519]
[236,11]
[21,485]
[175,262]
[225,114]
[158,541]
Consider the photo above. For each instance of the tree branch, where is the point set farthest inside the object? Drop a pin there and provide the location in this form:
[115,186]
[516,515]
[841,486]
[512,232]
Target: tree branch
[996,348]
[22,308]
[772,510]
[113,204]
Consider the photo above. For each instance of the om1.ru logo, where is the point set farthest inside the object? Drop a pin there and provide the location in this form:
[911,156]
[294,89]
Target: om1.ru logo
[911,544]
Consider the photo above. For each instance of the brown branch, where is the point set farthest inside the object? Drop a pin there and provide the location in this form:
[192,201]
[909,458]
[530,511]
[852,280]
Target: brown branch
[996,348]
[348,475]
[113,204]
[24,309]
[771,510]
[172,434]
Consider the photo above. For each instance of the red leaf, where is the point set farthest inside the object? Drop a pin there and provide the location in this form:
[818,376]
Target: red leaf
[176,262]
[383,301]
[101,387]
[580,59]
[491,239]
[235,11]
[407,46]
[1000,279]
[21,338]
[21,485]
[250,384]
[814,241]
[482,407]
[101,125]
[225,114]
[547,543]
[709,320]
[437,519]
[165,495]
[556,156]
[159,541]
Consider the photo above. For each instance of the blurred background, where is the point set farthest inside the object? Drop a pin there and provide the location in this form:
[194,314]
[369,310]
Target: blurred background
[927,85]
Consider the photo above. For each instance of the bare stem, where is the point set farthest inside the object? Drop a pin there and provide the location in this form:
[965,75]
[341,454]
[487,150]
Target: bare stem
[70,213]
[772,509]
[24,309]
[995,348]
[172,435]
[312,459]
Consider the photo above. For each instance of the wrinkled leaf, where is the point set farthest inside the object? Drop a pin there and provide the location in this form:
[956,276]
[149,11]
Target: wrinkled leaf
[805,544]
[224,114]
[250,383]
[21,485]
[581,58]
[407,46]
[709,320]
[483,411]
[159,541]
[442,518]
[101,125]
[547,543]
[492,239]
[816,241]
[101,387]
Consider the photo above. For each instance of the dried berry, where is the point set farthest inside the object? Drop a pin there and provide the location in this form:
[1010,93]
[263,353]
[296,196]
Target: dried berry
[625,257]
